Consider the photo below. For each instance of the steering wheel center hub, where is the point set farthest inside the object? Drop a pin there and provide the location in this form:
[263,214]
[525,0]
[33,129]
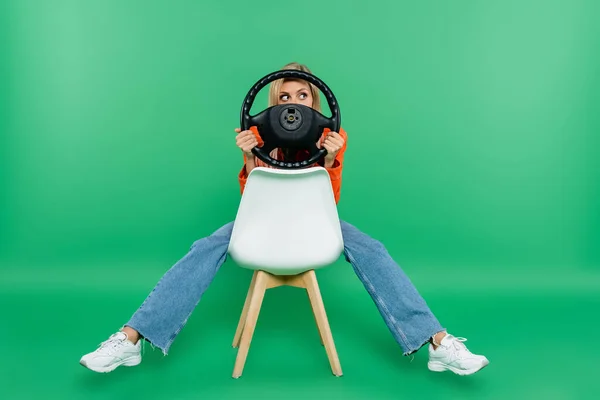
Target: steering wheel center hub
[291,118]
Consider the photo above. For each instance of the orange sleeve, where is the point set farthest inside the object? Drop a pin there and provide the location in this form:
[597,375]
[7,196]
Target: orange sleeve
[243,176]
[335,172]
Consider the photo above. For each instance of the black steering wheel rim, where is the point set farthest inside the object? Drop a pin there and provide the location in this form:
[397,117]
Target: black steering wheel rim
[316,120]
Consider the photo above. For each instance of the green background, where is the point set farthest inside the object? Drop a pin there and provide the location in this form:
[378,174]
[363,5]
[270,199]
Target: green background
[472,155]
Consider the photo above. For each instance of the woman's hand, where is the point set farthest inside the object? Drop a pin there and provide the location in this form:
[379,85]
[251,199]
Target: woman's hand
[333,143]
[246,141]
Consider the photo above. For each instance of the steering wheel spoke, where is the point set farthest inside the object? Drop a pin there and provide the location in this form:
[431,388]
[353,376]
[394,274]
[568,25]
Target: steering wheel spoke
[325,122]
[259,119]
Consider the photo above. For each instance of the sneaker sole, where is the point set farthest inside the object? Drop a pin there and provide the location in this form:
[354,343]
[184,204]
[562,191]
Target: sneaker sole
[437,366]
[128,362]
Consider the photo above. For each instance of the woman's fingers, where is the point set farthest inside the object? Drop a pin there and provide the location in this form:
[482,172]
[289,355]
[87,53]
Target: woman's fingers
[249,141]
[333,143]
[246,140]
[245,134]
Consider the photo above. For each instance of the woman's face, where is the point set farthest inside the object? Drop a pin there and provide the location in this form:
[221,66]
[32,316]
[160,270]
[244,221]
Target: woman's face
[295,92]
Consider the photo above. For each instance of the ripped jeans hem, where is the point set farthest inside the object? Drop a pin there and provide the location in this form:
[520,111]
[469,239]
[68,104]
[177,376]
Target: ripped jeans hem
[164,349]
[412,350]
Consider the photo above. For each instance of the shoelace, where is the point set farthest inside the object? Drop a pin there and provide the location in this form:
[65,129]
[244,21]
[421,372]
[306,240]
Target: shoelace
[457,343]
[111,344]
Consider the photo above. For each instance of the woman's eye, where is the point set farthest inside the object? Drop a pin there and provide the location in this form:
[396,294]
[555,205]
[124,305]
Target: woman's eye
[284,97]
[303,96]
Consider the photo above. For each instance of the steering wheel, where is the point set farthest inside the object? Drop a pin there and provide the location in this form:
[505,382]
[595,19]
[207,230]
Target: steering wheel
[292,126]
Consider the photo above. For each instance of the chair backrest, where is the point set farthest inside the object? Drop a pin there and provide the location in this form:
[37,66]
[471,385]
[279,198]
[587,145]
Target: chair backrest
[287,222]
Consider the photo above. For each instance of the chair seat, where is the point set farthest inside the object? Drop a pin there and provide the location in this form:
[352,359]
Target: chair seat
[287,222]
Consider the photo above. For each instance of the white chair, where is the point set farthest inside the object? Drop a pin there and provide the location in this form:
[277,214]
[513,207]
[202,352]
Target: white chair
[287,226]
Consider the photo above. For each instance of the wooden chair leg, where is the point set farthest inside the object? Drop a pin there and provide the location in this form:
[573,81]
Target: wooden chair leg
[316,301]
[242,322]
[258,293]
[318,327]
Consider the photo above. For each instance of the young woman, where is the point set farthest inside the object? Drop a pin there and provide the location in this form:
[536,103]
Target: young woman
[167,308]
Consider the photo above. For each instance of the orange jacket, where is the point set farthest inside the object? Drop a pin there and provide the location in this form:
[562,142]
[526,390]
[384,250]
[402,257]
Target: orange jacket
[335,172]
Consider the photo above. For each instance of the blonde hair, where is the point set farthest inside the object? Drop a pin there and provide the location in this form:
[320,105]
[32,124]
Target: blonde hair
[276,86]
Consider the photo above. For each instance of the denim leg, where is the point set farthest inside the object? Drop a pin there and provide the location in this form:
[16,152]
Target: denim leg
[167,308]
[403,309]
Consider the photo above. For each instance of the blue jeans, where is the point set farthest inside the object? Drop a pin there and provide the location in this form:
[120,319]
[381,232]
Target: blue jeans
[167,308]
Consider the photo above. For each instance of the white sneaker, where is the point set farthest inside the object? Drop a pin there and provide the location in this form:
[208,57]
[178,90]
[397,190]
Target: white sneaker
[115,351]
[453,355]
